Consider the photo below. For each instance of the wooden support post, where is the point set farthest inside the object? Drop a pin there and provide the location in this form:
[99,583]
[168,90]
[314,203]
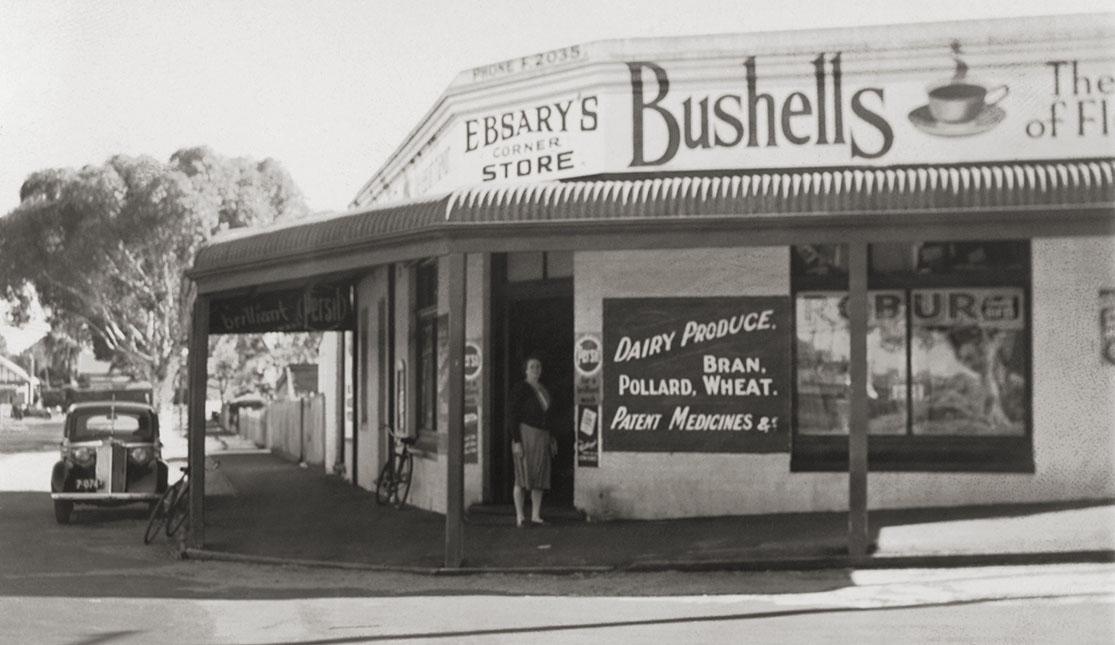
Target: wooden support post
[198,377]
[339,377]
[455,476]
[857,422]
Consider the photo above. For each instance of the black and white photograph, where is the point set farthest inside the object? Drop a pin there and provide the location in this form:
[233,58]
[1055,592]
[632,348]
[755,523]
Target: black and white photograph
[495,321]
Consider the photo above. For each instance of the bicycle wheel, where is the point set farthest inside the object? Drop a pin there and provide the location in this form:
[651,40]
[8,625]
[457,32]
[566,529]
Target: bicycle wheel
[179,512]
[402,487]
[387,484]
[158,514]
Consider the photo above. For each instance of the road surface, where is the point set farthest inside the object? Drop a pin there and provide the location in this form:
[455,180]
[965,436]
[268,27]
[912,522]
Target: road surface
[95,582]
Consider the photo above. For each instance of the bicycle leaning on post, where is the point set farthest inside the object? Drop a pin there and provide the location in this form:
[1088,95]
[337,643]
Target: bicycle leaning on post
[393,484]
[172,509]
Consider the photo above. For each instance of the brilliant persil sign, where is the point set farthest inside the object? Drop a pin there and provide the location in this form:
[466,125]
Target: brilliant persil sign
[595,111]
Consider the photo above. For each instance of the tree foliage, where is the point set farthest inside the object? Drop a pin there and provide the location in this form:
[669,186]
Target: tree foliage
[252,363]
[106,247]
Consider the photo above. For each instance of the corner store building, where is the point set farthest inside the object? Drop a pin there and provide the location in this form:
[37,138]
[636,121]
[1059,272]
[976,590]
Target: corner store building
[675,225]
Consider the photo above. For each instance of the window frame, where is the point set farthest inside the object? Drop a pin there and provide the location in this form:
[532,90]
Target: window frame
[424,311]
[910,452]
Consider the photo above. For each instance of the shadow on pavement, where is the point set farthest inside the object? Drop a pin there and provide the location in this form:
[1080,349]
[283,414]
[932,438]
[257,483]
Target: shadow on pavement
[268,507]
[283,511]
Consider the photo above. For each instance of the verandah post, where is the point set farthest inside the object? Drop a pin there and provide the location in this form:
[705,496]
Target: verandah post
[455,475]
[195,419]
[857,422]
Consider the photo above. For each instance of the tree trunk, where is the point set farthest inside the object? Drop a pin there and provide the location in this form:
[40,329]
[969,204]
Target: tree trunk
[163,395]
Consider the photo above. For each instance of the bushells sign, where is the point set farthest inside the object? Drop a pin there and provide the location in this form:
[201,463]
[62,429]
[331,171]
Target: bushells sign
[697,374]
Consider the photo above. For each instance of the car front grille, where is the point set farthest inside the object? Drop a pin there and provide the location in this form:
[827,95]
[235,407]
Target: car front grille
[112,467]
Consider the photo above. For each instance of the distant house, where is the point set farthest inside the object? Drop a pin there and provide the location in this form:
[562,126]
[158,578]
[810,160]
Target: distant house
[297,380]
[17,387]
[97,381]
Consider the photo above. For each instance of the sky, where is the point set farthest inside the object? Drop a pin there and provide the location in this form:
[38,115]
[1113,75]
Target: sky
[331,87]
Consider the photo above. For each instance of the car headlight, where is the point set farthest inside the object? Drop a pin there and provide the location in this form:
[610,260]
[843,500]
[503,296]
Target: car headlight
[83,455]
[140,455]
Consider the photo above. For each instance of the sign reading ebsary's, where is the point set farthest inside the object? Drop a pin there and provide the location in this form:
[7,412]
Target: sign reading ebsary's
[925,94]
[696,374]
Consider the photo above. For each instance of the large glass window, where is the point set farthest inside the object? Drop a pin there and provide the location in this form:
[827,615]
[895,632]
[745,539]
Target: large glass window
[969,362]
[822,363]
[947,353]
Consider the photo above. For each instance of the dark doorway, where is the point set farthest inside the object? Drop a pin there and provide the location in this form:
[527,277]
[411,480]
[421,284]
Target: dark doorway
[538,319]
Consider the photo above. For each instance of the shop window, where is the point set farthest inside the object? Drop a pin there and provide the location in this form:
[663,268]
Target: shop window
[425,346]
[947,352]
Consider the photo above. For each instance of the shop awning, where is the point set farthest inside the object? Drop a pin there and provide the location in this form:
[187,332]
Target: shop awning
[731,202]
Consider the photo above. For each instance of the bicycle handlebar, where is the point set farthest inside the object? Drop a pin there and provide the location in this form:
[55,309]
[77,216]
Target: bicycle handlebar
[406,440]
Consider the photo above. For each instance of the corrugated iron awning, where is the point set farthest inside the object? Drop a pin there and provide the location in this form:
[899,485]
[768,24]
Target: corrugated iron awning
[738,199]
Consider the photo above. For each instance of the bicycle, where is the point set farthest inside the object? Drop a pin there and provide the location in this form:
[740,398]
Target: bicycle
[393,484]
[172,509]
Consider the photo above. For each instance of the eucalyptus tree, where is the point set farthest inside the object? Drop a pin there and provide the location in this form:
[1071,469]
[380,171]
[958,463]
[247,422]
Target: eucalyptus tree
[105,247]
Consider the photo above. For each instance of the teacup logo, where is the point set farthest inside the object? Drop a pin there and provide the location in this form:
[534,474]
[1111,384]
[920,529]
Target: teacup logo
[960,106]
[960,102]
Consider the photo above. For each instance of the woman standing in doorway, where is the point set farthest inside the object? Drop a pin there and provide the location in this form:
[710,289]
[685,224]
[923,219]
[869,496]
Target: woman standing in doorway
[532,446]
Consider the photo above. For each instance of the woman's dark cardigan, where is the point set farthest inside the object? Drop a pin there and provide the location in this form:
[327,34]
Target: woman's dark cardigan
[525,408]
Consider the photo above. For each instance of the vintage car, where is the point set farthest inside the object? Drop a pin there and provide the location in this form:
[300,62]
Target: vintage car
[111,455]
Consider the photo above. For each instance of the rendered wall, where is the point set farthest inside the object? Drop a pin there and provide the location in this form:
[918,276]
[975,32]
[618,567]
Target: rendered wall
[369,438]
[334,391]
[659,485]
[1073,397]
[428,489]
[1073,394]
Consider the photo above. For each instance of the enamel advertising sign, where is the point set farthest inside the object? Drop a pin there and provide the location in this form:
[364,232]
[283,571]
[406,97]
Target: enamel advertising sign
[696,374]
[315,307]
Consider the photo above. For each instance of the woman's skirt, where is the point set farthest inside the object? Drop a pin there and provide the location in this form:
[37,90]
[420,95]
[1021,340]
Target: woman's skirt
[532,468]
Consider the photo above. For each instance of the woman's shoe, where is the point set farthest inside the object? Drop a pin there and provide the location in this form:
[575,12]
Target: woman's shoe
[538,522]
[519,522]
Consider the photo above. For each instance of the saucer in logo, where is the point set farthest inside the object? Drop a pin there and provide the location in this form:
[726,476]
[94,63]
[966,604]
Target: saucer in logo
[986,119]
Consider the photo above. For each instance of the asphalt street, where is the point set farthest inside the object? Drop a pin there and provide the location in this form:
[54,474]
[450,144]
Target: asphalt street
[95,582]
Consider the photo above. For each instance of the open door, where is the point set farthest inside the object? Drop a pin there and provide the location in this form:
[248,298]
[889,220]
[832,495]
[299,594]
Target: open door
[538,319]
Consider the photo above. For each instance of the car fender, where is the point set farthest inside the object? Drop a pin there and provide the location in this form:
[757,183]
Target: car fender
[58,476]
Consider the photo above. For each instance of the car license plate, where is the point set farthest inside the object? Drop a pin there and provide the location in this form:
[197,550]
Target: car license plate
[89,484]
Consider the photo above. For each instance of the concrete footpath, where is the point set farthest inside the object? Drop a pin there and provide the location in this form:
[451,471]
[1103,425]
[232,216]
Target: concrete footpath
[262,508]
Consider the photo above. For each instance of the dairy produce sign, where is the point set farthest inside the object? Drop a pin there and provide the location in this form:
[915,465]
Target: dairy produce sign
[696,374]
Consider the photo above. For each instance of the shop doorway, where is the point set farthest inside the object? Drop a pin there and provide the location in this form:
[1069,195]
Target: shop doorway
[537,318]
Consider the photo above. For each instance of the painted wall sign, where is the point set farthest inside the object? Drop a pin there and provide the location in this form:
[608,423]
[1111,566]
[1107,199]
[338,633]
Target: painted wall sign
[1107,324]
[317,307]
[990,308]
[696,374]
[958,101]
[999,308]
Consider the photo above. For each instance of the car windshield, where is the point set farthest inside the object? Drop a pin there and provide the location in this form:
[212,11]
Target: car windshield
[105,424]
